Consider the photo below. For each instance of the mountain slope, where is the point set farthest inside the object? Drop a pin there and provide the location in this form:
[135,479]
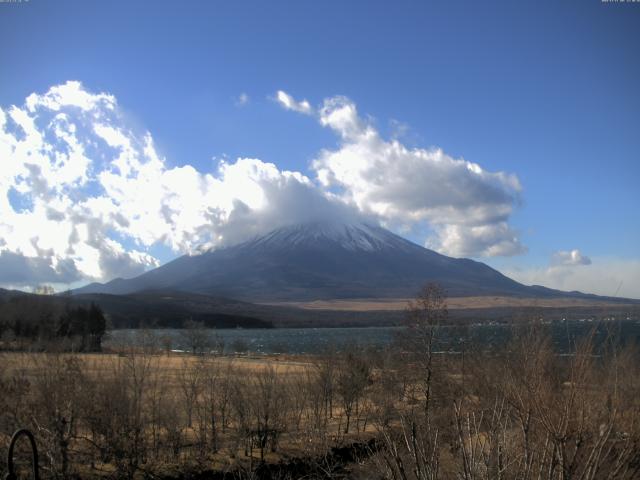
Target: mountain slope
[321,261]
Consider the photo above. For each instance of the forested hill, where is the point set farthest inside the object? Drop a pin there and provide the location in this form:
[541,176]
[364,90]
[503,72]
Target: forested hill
[22,312]
[40,320]
[173,309]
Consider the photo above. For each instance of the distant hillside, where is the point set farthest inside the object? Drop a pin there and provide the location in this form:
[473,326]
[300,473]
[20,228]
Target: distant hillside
[154,309]
[127,309]
[172,309]
[4,293]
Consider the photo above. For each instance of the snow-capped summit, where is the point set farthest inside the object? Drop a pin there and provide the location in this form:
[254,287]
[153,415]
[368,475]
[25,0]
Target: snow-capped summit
[319,260]
[349,236]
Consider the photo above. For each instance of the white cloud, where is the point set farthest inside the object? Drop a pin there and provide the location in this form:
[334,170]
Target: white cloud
[604,276]
[17,269]
[467,207]
[289,103]
[85,195]
[70,94]
[73,165]
[569,258]
[488,240]
[90,194]
[570,270]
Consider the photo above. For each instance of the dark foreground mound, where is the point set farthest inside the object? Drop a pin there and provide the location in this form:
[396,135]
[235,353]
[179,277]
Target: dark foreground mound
[334,464]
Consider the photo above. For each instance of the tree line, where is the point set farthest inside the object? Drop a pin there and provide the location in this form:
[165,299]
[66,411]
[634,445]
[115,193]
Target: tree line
[41,322]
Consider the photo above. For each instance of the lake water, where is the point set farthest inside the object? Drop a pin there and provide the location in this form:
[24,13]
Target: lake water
[319,340]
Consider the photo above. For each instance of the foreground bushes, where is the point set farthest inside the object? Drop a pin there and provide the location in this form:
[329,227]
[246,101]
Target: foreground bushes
[523,412]
[518,412]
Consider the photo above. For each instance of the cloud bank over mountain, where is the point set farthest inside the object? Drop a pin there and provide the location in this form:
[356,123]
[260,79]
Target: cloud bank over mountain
[467,206]
[84,193]
[601,275]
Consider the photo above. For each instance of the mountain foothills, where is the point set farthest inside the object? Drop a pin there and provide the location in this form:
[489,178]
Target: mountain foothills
[324,261]
[31,315]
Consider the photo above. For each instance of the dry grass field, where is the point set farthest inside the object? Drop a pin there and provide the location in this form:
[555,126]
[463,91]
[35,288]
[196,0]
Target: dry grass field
[454,303]
[184,411]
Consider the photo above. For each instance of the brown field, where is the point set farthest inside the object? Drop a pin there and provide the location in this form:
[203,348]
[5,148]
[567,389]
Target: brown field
[454,303]
[259,393]
[100,364]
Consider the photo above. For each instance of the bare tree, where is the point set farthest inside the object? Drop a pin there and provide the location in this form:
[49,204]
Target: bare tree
[410,439]
[57,408]
[190,378]
[268,408]
[116,412]
[197,337]
[424,315]
[325,379]
[352,380]
[208,402]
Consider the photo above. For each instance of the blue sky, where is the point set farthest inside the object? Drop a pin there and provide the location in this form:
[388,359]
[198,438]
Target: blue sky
[545,91]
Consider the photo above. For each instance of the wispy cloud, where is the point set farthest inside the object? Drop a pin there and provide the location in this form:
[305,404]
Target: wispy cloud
[602,276]
[242,100]
[289,103]
[569,258]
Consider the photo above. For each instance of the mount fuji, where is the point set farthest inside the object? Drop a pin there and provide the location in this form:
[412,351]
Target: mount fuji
[322,261]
